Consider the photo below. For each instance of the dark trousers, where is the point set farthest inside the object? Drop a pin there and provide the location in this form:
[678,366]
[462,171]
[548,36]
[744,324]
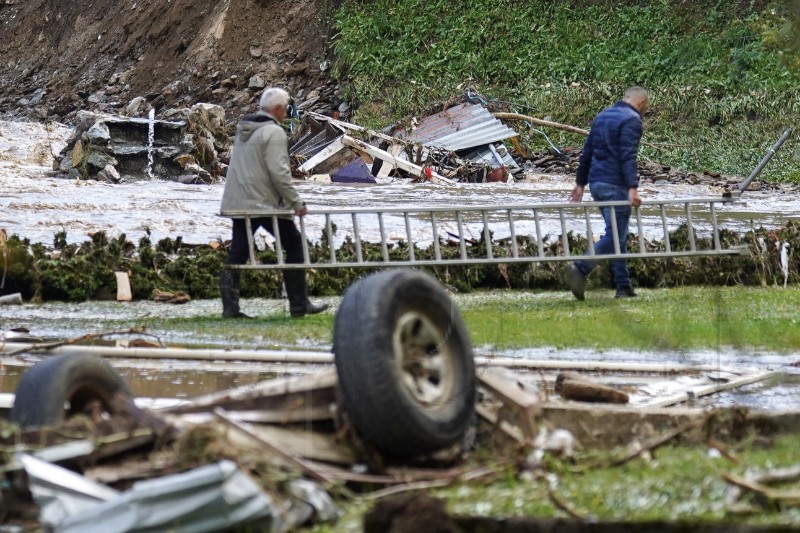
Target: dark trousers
[291,241]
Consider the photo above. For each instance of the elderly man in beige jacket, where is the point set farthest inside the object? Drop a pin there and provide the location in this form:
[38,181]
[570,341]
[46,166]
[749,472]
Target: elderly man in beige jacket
[259,178]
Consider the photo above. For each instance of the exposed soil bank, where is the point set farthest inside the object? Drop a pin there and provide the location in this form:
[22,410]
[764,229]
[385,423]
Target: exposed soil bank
[100,54]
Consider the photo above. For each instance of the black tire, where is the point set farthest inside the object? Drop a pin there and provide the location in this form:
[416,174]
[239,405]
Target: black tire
[56,388]
[405,363]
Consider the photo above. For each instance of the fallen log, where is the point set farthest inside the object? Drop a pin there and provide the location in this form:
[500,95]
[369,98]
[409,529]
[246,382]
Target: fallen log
[572,386]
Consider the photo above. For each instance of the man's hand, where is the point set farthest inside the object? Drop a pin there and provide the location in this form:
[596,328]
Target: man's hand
[633,194]
[303,211]
[576,195]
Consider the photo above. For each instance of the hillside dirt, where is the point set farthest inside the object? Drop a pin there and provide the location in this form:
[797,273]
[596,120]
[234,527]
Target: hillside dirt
[59,57]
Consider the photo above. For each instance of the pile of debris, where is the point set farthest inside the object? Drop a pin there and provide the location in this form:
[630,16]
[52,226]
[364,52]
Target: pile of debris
[461,144]
[188,146]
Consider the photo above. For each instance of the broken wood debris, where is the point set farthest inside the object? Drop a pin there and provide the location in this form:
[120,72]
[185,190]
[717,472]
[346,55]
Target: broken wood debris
[294,420]
[759,483]
[573,386]
[460,144]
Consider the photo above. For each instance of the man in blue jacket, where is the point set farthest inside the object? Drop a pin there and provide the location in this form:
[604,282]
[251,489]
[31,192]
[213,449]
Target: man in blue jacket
[608,165]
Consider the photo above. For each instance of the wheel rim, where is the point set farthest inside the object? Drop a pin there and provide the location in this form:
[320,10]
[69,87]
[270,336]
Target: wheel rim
[424,358]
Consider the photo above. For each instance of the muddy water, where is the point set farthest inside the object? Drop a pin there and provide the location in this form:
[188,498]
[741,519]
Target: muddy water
[35,207]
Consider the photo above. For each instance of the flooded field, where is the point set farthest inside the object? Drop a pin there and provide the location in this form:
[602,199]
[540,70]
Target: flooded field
[174,378]
[36,207]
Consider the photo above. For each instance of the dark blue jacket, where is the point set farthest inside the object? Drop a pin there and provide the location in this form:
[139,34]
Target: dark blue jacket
[609,153]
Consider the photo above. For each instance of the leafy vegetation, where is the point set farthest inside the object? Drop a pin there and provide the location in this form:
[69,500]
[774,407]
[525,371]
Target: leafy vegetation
[72,272]
[723,75]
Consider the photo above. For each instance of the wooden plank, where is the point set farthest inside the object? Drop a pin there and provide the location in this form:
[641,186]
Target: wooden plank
[527,406]
[276,443]
[307,443]
[383,155]
[313,390]
[509,429]
[124,293]
[333,148]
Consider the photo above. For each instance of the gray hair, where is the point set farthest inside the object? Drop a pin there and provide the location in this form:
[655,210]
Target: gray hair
[273,96]
[635,94]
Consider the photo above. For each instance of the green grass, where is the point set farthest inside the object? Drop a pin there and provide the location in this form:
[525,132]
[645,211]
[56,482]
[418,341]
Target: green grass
[659,319]
[680,318]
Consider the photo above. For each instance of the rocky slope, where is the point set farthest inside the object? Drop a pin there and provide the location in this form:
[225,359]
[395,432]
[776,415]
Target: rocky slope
[98,55]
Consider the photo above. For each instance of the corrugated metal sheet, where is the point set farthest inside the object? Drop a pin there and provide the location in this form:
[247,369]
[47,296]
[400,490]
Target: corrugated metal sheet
[460,127]
[484,155]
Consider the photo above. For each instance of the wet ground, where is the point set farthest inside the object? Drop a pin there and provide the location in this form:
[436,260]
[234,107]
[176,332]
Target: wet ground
[36,207]
[172,378]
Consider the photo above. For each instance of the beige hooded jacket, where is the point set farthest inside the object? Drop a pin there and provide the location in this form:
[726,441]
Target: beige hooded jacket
[259,176]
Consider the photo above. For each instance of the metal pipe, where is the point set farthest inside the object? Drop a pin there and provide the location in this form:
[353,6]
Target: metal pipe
[764,160]
[319,357]
[218,354]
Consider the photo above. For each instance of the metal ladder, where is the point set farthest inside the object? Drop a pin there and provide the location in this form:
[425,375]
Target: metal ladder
[491,219]
[471,228]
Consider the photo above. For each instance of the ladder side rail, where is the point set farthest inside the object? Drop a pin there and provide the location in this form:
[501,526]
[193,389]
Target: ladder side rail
[474,208]
[484,261]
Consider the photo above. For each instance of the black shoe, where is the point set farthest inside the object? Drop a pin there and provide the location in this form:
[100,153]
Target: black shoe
[576,281]
[309,309]
[625,291]
[238,314]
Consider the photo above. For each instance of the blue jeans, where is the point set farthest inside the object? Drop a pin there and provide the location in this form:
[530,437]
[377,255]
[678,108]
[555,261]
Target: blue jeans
[606,192]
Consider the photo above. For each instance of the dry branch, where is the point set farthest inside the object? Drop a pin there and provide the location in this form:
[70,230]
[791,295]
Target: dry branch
[789,497]
[540,122]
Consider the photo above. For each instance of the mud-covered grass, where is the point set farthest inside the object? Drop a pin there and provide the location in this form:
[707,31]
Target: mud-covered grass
[680,318]
[674,483]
